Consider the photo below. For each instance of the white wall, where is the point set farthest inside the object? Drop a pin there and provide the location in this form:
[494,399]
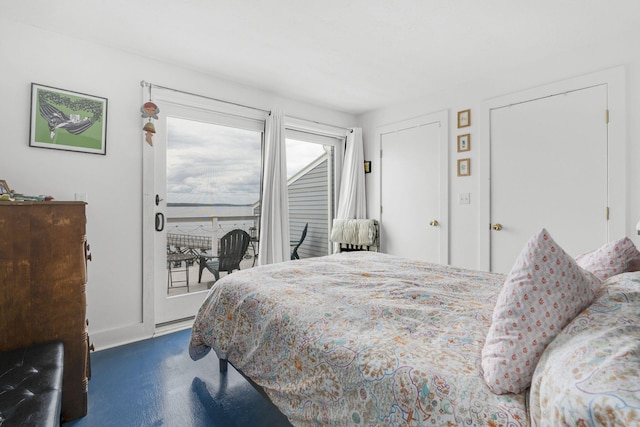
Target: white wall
[464,219]
[113,183]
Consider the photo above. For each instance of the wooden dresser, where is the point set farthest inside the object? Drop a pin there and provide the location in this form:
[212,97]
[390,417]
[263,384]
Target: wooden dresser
[43,255]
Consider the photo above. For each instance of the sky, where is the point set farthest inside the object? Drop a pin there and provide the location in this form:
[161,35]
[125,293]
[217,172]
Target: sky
[300,154]
[212,164]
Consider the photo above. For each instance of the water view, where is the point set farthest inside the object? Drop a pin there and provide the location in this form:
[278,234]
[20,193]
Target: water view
[209,220]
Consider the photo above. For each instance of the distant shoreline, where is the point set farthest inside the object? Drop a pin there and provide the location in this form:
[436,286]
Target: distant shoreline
[191,205]
[197,218]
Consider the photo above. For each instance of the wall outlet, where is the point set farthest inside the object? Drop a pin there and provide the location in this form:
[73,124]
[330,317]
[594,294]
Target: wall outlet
[464,198]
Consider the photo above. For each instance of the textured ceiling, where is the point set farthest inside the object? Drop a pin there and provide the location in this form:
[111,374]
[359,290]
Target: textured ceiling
[348,55]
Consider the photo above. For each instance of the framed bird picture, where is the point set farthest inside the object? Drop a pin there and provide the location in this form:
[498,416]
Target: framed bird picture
[66,120]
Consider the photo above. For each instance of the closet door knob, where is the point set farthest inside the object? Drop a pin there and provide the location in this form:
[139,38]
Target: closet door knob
[434,223]
[497,227]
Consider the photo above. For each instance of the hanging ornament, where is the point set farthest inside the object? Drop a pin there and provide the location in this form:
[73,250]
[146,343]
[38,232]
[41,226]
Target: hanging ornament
[149,110]
[149,130]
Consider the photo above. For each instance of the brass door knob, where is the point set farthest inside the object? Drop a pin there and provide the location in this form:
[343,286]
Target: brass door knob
[497,227]
[434,223]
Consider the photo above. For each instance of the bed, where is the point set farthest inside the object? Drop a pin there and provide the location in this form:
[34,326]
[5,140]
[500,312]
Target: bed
[365,338]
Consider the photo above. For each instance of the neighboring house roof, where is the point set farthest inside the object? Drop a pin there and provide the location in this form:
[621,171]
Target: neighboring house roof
[301,173]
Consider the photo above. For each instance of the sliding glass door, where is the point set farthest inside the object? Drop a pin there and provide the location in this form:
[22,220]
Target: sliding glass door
[207,183]
[311,165]
[213,187]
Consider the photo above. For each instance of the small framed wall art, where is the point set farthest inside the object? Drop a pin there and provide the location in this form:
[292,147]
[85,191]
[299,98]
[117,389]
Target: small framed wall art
[367,166]
[464,118]
[4,187]
[464,167]
[66,120]
[464,142]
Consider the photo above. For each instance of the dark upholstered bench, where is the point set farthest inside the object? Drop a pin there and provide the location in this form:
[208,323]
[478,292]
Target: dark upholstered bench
[31,385]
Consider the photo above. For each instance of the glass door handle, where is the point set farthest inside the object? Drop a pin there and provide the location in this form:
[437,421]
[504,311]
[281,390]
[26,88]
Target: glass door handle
[159,221]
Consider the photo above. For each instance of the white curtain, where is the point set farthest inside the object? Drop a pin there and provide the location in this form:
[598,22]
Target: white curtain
[274,220]
[352,203]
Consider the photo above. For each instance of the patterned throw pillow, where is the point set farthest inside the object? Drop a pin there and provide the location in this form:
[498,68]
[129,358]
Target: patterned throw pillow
[611,259]
[543,292]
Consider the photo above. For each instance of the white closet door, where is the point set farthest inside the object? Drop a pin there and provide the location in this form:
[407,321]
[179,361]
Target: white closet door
[413,176]
[549,169]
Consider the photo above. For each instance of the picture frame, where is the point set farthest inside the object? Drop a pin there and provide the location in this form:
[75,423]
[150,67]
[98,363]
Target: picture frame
[464,142]
[464,167]
[464,118]
[367,166]
[4,187]
[66,120]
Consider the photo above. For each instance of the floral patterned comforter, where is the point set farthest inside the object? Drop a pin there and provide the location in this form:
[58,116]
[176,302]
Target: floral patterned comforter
[590,373]
[360,338]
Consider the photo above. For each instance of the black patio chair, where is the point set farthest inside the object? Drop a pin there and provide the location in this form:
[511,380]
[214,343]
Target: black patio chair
[296,245]
[233,246]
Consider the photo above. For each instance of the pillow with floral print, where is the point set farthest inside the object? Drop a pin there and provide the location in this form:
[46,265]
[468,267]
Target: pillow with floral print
[543,292]
[613,258]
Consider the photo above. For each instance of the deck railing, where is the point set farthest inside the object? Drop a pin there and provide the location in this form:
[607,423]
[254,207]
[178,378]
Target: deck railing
[195,243]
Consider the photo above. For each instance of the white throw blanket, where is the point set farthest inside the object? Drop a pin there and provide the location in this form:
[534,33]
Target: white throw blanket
[354,231]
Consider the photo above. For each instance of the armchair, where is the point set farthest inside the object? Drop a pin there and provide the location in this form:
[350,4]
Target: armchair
[233,246]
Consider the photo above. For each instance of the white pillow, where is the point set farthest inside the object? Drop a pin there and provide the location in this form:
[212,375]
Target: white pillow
[613,258]
[543,292]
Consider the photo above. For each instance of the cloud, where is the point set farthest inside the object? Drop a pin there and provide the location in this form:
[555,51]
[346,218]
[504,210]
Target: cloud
[208,163]
[214,164]
[300,154]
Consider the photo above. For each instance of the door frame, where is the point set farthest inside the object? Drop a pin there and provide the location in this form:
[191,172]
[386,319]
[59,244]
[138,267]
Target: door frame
[441,117]
[615,80]
[228,114]
[326,135]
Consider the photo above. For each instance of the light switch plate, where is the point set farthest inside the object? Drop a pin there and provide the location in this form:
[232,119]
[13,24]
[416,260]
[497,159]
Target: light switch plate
[464,198]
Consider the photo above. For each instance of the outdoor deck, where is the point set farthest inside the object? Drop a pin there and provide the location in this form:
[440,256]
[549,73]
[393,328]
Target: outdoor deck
[179,275]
